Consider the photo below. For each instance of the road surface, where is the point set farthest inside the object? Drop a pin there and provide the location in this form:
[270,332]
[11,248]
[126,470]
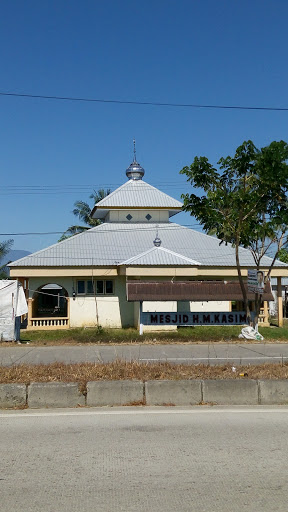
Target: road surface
[205,353]
[137,460]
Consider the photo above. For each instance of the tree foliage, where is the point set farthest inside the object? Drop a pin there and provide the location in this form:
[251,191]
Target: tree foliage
[83,211]
[283,255]
[243,202]
[4,249]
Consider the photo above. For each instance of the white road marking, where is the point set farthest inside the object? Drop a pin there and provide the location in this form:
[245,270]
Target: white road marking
[165,410]
[220,358]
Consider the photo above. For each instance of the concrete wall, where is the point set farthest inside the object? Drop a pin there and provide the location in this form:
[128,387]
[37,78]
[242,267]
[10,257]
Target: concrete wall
[157,392]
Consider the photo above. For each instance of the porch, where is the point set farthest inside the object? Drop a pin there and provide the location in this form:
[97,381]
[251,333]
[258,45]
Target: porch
[49,308]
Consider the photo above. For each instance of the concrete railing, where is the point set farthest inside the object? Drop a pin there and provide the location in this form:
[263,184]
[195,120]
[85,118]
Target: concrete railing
[157,392]
[48,322]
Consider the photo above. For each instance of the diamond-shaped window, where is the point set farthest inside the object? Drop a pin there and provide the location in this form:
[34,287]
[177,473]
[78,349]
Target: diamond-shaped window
[148,216]
[129,217]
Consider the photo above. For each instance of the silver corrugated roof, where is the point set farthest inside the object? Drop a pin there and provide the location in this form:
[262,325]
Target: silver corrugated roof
[160,256]
[110,244]
[138,194]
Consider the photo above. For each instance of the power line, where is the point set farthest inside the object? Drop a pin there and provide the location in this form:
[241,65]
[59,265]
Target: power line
[92,231]
[122,230]
[144,103]
[73,189]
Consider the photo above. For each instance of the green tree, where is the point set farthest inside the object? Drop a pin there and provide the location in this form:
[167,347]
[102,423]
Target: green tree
[244,203]
[4,249]
[283,255]
[83,211]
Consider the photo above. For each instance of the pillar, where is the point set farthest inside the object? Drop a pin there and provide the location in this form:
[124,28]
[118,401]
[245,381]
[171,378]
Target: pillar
[266,313]
[141,319]
[280,302]
[30,311]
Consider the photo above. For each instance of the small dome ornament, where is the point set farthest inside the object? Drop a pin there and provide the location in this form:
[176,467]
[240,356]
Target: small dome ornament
[135,171]
[157,242]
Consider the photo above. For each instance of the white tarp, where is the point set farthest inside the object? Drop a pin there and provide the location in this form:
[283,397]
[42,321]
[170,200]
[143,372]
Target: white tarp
[249,333]
[12,304]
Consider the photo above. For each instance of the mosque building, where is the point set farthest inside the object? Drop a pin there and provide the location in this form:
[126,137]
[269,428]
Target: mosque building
[137,261]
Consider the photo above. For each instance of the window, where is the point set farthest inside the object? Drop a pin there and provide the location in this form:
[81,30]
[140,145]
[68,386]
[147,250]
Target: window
[80,287]
[108,287]
[90,288]
[100,287]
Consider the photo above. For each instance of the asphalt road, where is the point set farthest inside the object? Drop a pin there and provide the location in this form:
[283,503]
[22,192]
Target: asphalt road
[137,460]
[206,353]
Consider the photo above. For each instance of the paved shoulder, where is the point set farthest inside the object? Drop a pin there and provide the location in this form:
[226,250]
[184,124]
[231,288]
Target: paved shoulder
[206,353]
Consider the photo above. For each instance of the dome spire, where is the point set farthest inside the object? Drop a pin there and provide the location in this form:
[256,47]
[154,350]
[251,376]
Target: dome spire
[134,151]
[135,171]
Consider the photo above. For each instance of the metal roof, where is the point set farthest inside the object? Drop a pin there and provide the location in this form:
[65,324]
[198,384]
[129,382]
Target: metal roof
[109,244]
[137,194]
[159,256]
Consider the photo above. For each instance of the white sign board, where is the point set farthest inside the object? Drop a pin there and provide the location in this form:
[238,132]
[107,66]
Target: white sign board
[229,318]
[256,281]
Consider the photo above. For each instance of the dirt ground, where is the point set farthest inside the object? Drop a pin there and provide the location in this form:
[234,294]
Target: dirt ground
[122,370]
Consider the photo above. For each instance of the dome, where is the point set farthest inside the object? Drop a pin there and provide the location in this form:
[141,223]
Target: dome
[135,171]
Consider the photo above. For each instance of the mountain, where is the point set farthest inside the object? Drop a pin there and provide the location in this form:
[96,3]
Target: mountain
[13,255]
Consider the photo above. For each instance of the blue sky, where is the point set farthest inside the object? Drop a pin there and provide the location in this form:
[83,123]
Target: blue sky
[201,52]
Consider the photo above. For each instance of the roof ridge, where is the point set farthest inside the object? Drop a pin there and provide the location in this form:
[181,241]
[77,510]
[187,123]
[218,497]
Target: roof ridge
[179,255]
[138,256]
[134,183]
[157,249]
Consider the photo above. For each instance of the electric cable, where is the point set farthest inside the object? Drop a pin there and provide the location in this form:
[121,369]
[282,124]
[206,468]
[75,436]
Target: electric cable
[144,103]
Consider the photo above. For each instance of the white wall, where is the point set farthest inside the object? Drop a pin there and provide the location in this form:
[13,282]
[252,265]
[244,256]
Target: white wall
[110,310]
[217,306]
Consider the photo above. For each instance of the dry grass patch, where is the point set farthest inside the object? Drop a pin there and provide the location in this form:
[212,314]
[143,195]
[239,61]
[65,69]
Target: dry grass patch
[122,370]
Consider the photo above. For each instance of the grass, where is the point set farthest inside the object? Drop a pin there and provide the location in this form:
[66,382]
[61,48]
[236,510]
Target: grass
[122,370]
[221,334]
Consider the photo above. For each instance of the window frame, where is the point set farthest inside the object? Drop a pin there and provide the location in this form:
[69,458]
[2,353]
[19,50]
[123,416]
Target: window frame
[94,282]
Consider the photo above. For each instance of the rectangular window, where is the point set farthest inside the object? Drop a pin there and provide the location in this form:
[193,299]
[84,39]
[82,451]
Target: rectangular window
[81,287]
[90,288]
[100,287]
[108,287]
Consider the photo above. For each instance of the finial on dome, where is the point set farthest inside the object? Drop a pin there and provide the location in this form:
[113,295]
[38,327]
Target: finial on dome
[134,144]
[135,171]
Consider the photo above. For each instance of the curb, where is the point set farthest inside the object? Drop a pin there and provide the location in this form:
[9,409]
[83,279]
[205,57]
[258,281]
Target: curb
[153,392]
